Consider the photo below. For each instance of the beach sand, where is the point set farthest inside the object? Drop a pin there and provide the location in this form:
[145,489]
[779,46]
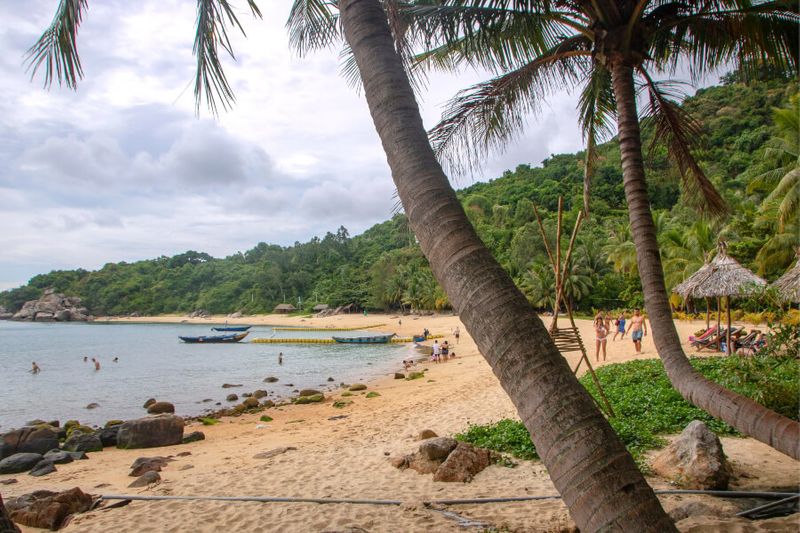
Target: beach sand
[348,457]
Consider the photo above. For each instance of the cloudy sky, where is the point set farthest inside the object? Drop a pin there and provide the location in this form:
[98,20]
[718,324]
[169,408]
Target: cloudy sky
[122,169]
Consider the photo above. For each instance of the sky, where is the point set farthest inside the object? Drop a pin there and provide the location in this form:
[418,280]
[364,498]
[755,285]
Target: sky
[122,169]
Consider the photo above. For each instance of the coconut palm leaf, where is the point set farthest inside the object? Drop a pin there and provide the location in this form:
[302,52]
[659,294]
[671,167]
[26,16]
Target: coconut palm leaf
[313,25]
[675,129]
[57,48]
[485,116]
[213,19]
[597,116]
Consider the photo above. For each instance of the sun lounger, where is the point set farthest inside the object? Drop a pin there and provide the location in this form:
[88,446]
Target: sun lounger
[715,342]
[708,333]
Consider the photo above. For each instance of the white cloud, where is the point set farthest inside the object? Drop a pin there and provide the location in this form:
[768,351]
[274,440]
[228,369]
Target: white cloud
[121,169]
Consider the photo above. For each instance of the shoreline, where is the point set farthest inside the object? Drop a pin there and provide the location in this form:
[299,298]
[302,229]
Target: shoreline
[343,452]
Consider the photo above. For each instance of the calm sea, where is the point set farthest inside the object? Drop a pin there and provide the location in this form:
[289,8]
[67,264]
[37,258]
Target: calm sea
[154,363]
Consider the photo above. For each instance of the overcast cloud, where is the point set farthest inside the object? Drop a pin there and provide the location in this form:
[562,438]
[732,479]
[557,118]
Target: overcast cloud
[122,169]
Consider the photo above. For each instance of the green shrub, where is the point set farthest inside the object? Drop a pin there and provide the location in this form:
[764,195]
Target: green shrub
[209,421]
[265,418]
[647,406]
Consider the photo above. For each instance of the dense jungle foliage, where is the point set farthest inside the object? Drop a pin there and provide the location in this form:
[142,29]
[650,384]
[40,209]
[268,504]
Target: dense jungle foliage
[749,152]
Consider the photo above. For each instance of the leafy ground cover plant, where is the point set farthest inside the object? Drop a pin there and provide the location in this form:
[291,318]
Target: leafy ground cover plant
[648,407]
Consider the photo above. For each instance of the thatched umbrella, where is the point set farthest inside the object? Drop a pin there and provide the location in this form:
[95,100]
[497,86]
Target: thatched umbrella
[788,285]
[684,289]
[727,278]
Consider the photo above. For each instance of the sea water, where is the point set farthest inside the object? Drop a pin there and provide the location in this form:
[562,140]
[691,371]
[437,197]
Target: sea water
[154,363]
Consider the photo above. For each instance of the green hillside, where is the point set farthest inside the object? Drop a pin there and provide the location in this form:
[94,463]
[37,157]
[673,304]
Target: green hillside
[384,269]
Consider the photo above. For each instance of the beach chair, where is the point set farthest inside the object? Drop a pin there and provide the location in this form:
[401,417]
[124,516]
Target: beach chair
[708,333]
[716,341]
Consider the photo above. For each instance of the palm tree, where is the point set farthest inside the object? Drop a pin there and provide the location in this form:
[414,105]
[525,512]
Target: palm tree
[607,46]
[582,453]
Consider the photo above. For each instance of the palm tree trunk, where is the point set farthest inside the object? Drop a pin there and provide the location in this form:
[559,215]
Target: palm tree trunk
[736,410]
[588,464]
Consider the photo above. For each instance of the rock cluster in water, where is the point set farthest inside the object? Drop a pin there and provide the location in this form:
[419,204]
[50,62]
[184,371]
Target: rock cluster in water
[52,306]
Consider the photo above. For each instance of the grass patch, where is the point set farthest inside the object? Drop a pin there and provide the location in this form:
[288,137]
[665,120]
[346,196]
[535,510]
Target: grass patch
[209,421]
[266,418]
[415,375]
[372,394]
[647,406]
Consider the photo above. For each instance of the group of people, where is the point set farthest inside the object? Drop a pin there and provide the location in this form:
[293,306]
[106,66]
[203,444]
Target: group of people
[637,327]
[441,352]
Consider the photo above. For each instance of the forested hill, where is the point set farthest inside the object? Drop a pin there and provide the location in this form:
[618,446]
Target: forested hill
[383,268]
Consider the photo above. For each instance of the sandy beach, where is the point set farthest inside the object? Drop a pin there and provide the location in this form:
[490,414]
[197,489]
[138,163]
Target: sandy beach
[343,453]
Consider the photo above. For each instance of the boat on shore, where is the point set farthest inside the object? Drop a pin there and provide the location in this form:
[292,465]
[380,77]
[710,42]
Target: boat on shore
[369,339]
[214,339]
[231,328]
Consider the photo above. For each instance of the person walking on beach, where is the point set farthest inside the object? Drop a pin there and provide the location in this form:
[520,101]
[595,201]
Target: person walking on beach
[280,358]
[437,351]
[620,327]
[600,334]
[457,334]
[35,368]
[637,329]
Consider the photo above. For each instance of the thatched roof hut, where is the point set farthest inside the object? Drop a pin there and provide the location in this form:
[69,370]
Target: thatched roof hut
[685,289]
[320,307]
[788,285]
[284,308]
[725,277]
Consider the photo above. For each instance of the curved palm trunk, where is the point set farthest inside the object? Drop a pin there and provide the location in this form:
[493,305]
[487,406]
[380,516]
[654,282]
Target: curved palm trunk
[589,466]
[740,412]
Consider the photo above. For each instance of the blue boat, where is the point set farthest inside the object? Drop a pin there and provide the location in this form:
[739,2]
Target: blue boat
[231,328]
[371,339]
[214,339]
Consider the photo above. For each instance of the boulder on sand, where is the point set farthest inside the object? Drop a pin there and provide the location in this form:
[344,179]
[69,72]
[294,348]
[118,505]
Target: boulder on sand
[148,478]
[38,439]
[143,465]
[151,432]
[194,436]
[42,468]
[19,462]
[463,463]
[46,509]
[82,442]
[695,460]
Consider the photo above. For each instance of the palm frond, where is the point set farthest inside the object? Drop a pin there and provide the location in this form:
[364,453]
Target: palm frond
[57,48]
[596,107]
[313,25]
[713,34]
[213,19]
[489,34]
[482,118]
[675,129]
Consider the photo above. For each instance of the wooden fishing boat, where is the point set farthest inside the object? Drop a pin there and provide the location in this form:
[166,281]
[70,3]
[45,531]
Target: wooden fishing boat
[215,339]
[231,328]
[371,339]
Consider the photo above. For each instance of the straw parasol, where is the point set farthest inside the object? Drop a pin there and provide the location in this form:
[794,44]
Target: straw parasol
[684,289]
[727,278]
[788,285]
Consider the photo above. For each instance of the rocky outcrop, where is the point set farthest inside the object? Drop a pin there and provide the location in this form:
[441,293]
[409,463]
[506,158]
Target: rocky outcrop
[150,432]
[158,408]
[53,306]
[38,439]
[447,459]
[695,460]
[46,509]
[83,442]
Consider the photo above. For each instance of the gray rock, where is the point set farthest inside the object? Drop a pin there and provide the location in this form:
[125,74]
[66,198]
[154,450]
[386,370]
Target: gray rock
[399,375]
[42,468]
[142,465]
[151,432]
[273,452]
[19,462]
[81,442]
[149,402]
[427,434]
[158,408]
[463,463]
[695,460]
[108,435]
[148,478]
[78,456]
[437,448]
[9,481]
[232,397]
[270,379]
[194,436]
[39,439]
[230,385]
[58,457]
[357,387]
[259,393]
[46,509]
[93,405]
[309,392]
